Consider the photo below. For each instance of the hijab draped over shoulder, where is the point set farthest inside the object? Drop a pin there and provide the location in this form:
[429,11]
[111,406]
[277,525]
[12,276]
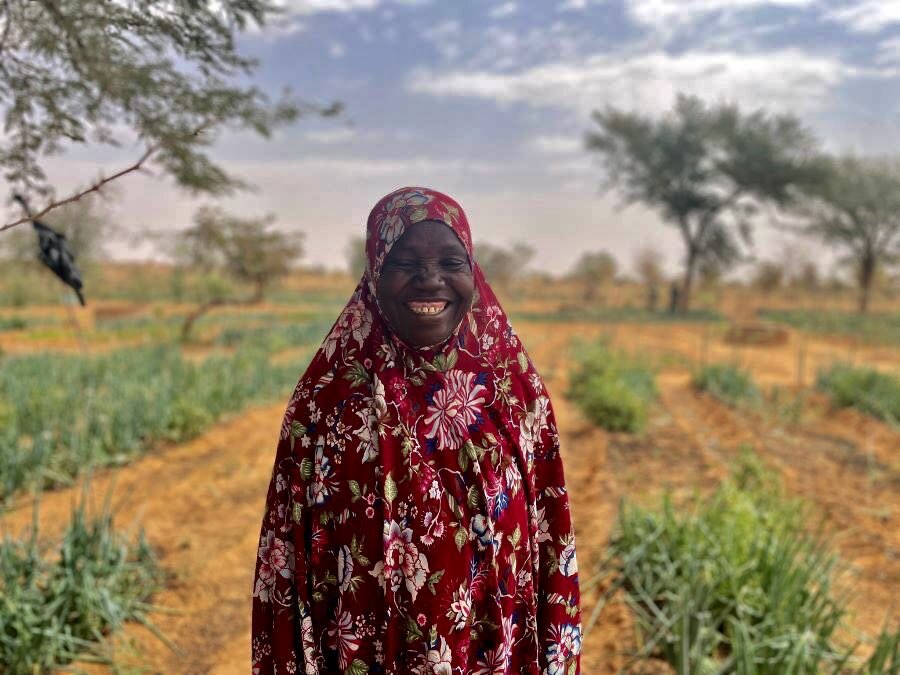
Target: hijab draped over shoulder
[417,519]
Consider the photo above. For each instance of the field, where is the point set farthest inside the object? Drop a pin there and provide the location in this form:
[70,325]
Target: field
[198,495]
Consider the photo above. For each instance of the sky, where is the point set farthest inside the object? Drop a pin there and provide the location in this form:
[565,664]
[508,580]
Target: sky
[489,101]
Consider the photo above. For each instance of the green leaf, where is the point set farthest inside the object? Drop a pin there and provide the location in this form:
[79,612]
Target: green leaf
[358,667]
[297,512]
[516,537]
[306,468]
[473,498]
[523,361]
[354,489]
[357,374]
[390,489]
[452,358]
[460,538]
[433,580]
[297,429]
[463,459]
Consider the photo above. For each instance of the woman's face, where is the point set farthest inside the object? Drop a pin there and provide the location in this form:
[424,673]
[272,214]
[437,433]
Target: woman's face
[426,284]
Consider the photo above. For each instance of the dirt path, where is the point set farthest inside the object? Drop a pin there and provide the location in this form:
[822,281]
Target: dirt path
[201,506]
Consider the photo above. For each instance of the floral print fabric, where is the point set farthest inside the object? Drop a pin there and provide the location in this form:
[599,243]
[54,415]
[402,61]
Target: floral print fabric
[417,520]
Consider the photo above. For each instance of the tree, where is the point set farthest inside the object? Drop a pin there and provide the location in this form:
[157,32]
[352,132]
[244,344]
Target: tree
[856,208]
[243,249]
[768,276]
[595,269]
[355,250]
[502,265]
[80,71]
[706,170]
[648,268]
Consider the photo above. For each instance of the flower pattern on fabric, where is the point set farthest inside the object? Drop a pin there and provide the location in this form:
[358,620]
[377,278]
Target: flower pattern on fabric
[453,408]
[417,520]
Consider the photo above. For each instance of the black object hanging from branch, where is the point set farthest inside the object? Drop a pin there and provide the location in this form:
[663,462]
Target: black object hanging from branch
[55,252]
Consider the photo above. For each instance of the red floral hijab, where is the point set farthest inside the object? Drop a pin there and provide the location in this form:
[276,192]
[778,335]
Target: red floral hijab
[417,519]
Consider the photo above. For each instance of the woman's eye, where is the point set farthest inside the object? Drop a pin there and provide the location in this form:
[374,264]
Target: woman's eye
[453,264]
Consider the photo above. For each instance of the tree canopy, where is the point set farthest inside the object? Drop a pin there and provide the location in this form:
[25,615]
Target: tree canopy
[91,71]
[856,207]
[707,170]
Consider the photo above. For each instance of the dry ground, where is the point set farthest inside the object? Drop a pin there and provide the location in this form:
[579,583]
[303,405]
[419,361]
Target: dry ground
[201,502]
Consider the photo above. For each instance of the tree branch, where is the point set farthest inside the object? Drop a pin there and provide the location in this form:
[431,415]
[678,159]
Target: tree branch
[96,187]
[3,39]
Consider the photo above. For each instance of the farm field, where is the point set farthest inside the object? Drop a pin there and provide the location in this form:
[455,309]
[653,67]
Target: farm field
[200,501]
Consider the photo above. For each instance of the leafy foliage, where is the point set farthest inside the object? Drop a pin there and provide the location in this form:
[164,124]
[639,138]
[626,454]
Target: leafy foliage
[868,390]
[706,170]
[55,608]
[726,382]
[503,265]
[856,207]
[595,269]
[733,584]
[78,71]
[613,391]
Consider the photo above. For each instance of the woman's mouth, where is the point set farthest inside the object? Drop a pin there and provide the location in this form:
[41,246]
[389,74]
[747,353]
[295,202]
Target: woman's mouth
[427,308]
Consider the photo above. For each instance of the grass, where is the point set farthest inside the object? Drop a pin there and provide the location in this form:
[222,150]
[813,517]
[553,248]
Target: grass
[13,323]
[61,413]
[871,328]
[735,584]
[612,390]
[59,604]
[727,383]
[867,390]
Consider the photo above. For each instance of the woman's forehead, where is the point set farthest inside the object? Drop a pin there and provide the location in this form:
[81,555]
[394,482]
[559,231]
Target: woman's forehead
[429,238]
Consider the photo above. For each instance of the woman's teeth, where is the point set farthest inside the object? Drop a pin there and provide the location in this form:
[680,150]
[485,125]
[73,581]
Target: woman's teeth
[426,308]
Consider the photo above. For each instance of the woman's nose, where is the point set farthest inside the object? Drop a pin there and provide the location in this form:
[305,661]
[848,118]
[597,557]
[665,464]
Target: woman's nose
[429,274]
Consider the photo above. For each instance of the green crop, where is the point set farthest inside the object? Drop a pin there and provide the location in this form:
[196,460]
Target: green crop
[728,383]
[870,391]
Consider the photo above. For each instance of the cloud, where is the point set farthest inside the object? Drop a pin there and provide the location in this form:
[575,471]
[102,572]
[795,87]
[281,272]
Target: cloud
[336,50]
[331,136]
[339,6]
[558,145]
[786,79]
[889,52]
[866,16]
[506,9]
[665,13]
[444,37]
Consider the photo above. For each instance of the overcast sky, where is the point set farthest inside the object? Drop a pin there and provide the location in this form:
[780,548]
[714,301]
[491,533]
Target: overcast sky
[489,101]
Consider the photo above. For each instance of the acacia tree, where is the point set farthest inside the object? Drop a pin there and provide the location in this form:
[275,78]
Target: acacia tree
[502,265]
[245,250]
[857,208]
[91,71]
[706,170]
[594,269]
[647,266]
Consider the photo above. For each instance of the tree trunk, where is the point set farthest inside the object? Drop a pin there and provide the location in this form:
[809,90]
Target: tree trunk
[866,277]
[684,301]
[191,318]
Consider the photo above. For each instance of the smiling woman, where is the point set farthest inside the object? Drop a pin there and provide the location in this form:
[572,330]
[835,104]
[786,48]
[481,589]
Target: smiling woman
[417,519]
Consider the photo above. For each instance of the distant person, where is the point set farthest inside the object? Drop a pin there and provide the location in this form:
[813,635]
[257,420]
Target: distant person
[417,519]
[674,297]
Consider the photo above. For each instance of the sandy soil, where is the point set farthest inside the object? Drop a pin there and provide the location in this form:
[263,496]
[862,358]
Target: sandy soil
[200,503]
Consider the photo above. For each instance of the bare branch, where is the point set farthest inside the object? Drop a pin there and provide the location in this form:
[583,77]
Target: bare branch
[96,187]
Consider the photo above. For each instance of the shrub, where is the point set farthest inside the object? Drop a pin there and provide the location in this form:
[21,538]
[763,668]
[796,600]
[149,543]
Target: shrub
[59,606]
[734,584]
[868,390]
[728,383]
[612,390]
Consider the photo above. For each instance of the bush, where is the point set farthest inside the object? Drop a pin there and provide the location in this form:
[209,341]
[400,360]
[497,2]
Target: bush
[58,608]
[612,390]
[870,391]
[872,328]
[727,383]
[734,584]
